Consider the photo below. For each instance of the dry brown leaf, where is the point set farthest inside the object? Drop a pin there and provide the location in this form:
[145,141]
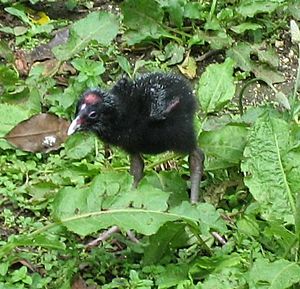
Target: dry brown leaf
[21,62]
[188,67]
[40,133]
[50,67]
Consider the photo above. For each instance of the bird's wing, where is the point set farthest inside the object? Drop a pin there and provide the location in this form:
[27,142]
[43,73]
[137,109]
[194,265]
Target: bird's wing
[161,104]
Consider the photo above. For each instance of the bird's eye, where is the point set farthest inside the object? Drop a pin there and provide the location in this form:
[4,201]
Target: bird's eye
[93,114]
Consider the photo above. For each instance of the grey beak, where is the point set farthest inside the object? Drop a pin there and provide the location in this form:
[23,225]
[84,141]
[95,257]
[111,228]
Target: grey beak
[74,126]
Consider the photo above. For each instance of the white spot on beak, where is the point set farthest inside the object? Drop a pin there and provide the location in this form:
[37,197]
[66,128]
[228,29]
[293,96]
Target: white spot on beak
[83,107]
[74,126]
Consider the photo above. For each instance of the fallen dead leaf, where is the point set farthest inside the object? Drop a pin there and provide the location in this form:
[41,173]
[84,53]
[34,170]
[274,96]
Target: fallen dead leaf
[40,133]
[188,67]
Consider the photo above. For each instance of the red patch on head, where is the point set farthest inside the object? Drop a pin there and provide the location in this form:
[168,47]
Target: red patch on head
[91,98]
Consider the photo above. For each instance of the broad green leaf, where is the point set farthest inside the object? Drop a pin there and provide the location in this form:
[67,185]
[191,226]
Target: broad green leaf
[240,53]
[192,10]
[10,116]
[216,39]
[79,145]
[226,144]
[99,26]
[267,73]
[280,274]
[111,201]
[241,28]
[294,9]
[8,76]
[249,8]
[265,175]
[216,86]
[18,13]
[175,9]
[145,12]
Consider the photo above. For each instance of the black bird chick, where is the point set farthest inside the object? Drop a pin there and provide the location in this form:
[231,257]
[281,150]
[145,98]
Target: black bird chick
[149,115]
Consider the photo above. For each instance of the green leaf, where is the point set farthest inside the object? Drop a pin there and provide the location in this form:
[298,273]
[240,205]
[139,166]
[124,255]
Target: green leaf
[18,13]
[110,201]
[175,8]
[225,144]
[124,64]
[8,76]
[41,240]
[99,26]
[169,237]
[263,68]
[216,86]
[147,12]
[280,274]
[193,10]
[241,28]
[265,175]
[6,52]
[79,145]
[216,39]
[16,115]
[240,53]
[249,8]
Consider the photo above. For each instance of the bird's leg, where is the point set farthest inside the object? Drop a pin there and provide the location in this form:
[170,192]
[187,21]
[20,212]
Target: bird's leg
[196,160]
[136,168]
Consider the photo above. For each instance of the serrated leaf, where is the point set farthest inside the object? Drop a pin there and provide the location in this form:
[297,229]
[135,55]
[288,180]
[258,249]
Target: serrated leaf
[110,201]
[147,12]
[99,26]
[265,175]
[280,274]
[216,86]
[40,133]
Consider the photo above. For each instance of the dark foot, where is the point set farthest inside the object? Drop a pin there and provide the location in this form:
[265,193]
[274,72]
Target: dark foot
[196,160]
[136,168]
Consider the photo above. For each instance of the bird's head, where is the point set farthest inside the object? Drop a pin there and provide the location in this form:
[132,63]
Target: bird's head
[88,111]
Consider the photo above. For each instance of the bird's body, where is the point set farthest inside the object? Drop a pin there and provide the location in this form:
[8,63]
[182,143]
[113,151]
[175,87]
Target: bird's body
[150,115]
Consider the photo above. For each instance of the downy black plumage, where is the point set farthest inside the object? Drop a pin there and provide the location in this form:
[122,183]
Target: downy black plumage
[149,115]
